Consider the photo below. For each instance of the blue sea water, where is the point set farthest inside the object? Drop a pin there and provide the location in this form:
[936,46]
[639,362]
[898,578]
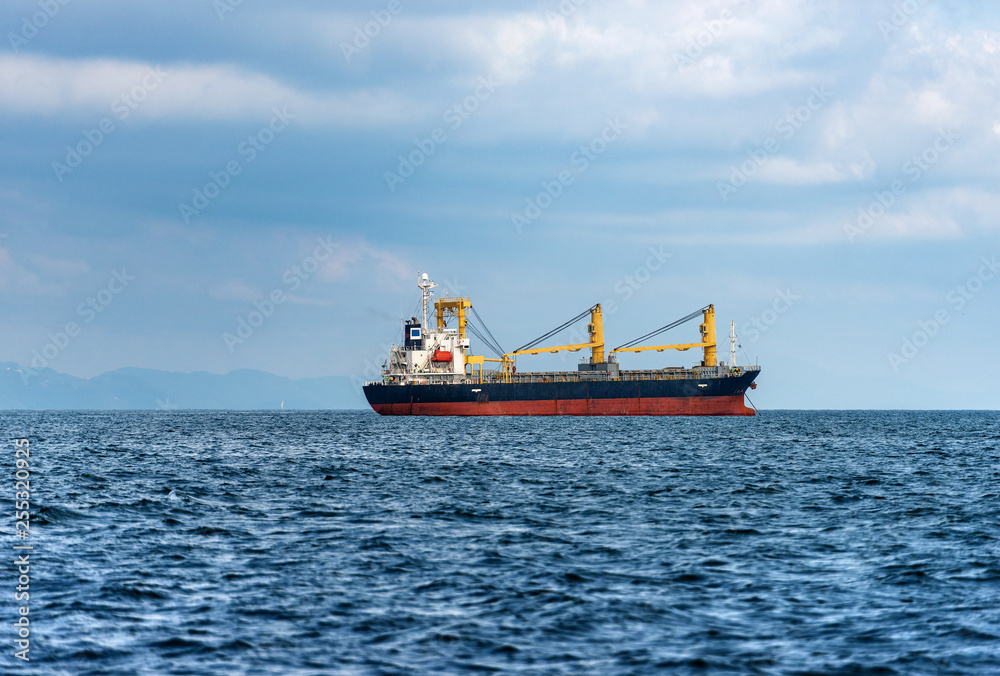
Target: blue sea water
[345,543]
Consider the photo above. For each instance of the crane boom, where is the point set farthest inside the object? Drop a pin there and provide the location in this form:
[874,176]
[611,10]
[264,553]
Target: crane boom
[596,344]
[708,344]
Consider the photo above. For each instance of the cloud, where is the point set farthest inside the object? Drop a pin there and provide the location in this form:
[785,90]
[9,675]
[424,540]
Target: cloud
[565,62]
[918,223]
[362,258]
[15,279]
[60,268]
[930,78]
[937,214]
[881,293]
[788,171]
[88,89]
[235,289]
[563,71]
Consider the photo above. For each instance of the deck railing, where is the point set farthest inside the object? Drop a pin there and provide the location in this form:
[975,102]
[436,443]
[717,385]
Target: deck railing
[493,377]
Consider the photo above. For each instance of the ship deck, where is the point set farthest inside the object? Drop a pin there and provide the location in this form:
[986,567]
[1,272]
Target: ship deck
[496,377]
[590,376]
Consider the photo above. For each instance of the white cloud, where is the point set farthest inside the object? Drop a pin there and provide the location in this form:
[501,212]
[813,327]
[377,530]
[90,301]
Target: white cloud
[933,78]
[937,213]
[595,55]
[16,279]
[92,89]
[917,223]
[361,257]
[235,289]
[562,74]
[932,108]
[881,293]
[788,171]
[59,267]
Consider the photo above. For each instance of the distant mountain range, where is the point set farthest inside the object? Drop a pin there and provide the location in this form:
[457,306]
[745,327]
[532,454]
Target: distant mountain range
[134,388]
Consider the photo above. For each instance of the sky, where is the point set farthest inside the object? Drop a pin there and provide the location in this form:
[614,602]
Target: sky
[824,173]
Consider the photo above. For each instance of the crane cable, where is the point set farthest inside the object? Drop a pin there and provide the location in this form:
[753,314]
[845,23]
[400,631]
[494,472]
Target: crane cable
[493,343]
[554,331]
[662,329]
[493,348]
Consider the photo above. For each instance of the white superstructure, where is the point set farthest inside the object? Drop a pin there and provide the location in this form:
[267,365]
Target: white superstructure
[430,355]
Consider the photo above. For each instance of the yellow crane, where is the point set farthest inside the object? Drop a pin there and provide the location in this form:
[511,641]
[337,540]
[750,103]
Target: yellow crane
[595,329]
[707,330]
[460,308]
[596,343]
[452,307]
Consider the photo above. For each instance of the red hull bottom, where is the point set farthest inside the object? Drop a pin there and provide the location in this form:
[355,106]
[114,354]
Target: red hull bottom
[730,405]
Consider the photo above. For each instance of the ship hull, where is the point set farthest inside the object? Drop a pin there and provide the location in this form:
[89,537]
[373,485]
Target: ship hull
[684,396]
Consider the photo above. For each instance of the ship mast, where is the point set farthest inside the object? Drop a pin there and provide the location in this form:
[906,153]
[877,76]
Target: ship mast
[425,285]
[732,344]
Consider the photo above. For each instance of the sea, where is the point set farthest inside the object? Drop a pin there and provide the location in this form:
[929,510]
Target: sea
[341,542]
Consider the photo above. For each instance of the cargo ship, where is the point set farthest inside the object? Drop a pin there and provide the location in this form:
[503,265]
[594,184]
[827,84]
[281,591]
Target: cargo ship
[433,371]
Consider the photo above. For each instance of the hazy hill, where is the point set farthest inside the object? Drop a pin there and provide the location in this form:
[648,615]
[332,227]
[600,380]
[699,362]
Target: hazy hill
[133,388]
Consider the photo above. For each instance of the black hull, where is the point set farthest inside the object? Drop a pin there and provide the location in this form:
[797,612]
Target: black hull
[681,396]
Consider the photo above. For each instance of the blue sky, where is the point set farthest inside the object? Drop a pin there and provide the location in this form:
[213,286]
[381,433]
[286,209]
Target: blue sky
[825,174]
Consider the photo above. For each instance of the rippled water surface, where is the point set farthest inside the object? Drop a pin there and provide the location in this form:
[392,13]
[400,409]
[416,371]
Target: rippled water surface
[342,542]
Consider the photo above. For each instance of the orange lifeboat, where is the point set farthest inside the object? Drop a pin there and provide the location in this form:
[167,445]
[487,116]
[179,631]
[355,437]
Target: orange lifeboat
[441,356]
